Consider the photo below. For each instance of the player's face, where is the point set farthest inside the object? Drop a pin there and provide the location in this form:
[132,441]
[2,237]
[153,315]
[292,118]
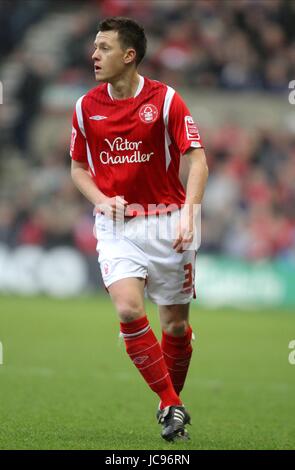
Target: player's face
[109,58]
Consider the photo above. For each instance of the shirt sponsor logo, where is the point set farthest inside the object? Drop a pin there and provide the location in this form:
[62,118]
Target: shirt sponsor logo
[148,113]
[115,156]
[192,132]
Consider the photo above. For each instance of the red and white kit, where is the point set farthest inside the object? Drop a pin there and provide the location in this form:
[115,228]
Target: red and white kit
[133,147]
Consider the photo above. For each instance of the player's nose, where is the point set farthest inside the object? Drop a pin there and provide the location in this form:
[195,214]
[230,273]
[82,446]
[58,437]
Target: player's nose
[95,55]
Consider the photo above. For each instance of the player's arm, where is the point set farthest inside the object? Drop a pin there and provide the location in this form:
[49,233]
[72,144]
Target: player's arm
[197,176]
[196,182]
[113,207]
[83,181]
[186,137]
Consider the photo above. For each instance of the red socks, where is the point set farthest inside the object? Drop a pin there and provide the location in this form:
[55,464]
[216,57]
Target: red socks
[177,352]
[145,352]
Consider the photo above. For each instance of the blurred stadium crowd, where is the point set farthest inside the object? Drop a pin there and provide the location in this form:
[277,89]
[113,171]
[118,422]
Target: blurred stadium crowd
[234,45]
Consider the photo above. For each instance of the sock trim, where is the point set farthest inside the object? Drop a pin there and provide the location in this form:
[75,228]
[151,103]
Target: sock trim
[171,357]
[138,333]
[134,326]
[145,367]
[178,339]
[159,380]
[143,350]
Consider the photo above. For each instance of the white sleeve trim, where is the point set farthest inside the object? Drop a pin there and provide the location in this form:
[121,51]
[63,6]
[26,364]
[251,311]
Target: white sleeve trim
[82,129]
[80,115]
[167,103]
[89,158]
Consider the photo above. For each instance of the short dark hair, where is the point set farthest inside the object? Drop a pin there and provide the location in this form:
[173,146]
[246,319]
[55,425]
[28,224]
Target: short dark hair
[130,34]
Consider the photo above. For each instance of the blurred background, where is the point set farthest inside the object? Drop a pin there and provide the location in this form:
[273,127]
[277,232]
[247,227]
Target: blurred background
[232,61]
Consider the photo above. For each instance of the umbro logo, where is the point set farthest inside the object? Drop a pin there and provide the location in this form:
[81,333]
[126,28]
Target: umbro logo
[97,117]
[140,359]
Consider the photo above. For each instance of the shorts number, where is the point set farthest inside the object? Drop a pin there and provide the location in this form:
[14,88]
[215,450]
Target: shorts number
[188,271]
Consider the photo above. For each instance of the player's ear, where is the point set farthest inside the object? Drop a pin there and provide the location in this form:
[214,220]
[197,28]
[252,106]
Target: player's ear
[130,55]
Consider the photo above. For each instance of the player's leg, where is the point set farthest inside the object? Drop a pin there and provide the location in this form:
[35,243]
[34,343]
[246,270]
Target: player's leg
[171,286]
[177,351]
[176,341]
[124,266]
[128,297]
[141,344]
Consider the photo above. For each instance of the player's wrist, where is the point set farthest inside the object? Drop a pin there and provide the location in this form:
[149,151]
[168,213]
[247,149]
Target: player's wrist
[100,202]
[102,199]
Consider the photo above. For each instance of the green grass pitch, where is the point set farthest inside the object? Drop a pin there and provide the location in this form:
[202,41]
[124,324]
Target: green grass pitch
[66,381]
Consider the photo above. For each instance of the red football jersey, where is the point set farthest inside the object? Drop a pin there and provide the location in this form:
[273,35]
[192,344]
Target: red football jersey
[133,146]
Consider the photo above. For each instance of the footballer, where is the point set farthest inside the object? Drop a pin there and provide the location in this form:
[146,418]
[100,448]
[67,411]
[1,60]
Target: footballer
[128,136]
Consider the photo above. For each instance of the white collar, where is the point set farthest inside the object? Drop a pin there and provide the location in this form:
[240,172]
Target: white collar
[139,88]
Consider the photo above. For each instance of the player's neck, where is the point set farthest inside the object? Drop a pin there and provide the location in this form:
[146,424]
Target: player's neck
[125,87]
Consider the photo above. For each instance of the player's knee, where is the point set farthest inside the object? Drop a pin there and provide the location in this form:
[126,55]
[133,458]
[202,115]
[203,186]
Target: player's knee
[176,327]
[129,311]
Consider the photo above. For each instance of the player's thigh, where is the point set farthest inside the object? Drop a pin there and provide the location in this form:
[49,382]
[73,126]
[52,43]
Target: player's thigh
[174,319]
[118,256]
[128,297]
[171,276]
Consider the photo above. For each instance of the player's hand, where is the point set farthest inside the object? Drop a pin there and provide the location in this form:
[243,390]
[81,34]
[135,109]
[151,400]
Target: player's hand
[113,207]
[184,232]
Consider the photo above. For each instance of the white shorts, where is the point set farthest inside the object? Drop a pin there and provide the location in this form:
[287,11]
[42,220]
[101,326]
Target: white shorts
[141,247]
